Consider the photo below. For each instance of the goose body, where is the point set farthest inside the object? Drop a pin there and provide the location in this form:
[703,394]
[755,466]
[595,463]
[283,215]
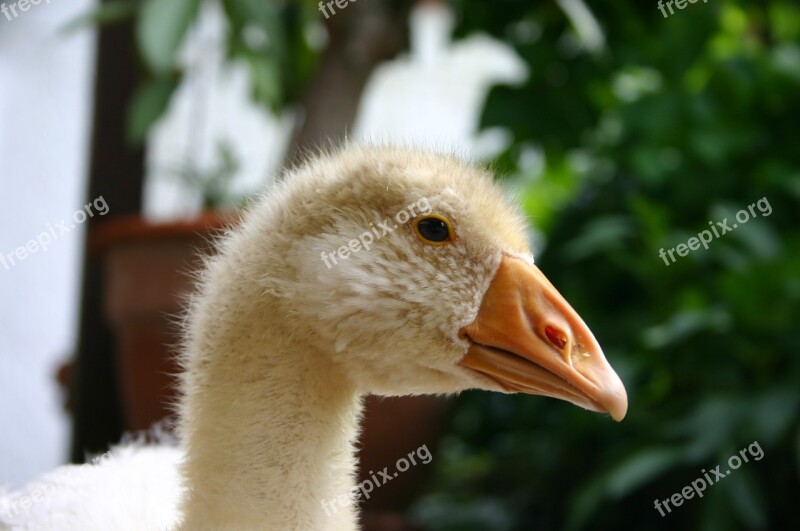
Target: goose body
[131,488]
[281,344]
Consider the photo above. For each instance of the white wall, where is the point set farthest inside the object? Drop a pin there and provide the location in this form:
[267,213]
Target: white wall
[44,110]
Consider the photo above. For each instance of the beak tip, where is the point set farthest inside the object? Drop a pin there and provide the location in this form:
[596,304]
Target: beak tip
[617,403]
[618,416]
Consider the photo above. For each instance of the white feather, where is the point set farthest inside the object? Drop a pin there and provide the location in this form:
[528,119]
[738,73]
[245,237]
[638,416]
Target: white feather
[130,488]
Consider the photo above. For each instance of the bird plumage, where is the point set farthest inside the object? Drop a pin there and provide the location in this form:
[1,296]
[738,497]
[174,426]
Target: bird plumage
[281,345]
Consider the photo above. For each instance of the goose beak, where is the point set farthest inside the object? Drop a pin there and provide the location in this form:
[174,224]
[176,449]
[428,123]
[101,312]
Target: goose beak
[528,339]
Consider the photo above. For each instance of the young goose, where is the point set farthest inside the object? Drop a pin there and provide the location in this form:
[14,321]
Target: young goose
[370,270]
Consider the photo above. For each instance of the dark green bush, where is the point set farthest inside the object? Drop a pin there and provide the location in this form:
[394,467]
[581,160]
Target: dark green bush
[676,122]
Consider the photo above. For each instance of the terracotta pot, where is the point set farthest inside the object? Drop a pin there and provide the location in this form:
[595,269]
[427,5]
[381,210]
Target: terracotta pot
[147,272]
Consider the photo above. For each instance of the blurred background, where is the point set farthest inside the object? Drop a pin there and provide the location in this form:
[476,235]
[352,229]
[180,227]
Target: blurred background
[623,129]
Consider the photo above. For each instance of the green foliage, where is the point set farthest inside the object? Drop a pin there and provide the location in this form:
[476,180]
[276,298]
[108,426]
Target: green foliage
[270,38]
[215,182]
[677,122]
[149,103]
[160,30]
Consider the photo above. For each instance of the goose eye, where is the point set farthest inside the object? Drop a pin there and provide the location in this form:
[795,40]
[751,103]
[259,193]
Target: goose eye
[434,229]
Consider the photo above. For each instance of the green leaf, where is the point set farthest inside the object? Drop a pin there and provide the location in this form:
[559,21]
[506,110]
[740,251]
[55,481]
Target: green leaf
[716,511]
[773,413]
[722,412]
[641,468]
[149,103]
[265,76]
[600,236]
[106,13]
[685,324]
[747,499]
[627,475]
[160,30]
[257,37]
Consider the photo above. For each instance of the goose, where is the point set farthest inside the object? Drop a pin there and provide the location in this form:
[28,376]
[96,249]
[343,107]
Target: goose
[366,270]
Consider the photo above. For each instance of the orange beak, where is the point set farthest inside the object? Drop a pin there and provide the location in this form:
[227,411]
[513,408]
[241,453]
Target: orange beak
[528,339]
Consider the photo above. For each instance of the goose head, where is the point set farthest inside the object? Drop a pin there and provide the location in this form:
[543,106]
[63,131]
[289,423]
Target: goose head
[412,272]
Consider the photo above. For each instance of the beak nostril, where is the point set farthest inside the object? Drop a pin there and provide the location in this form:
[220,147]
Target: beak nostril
[555,336]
